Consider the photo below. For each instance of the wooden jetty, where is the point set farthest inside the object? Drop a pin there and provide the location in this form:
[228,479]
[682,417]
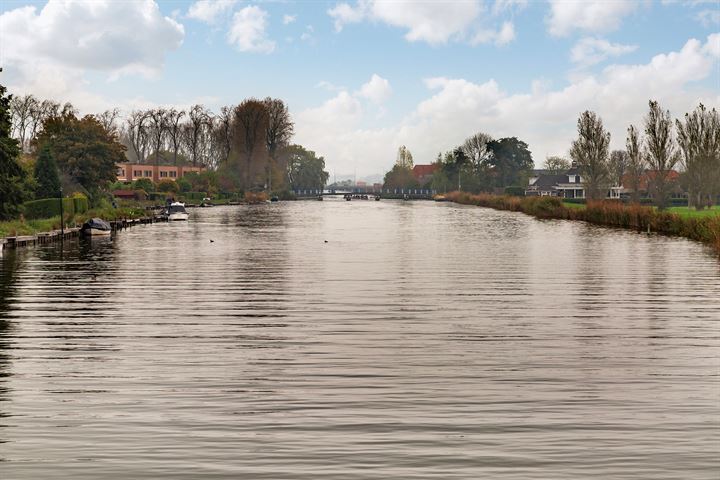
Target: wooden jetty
[70,232]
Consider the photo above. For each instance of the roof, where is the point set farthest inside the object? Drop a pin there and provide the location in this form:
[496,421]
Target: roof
[124,193]
[424,170]
[548,182]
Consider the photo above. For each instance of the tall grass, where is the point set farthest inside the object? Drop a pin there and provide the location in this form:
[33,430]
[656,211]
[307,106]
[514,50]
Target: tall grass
[613,213]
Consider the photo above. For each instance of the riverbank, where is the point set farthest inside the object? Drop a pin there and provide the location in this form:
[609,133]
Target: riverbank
[49,226]
[705,229]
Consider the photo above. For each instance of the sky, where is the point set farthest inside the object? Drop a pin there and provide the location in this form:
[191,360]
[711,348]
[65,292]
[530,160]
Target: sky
[363,77]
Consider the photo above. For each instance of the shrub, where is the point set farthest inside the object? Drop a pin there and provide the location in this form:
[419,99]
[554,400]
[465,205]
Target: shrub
[80,203]
[515,191]
[167,186]
[259,197]
[144,184]
[48,207]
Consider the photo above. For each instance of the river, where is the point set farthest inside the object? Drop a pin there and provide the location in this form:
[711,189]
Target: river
[361,340]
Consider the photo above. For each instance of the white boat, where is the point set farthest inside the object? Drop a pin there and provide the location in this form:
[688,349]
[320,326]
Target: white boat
[176,211]
[96,227]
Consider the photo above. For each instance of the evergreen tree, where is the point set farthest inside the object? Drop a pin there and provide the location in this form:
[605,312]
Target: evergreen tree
[13,179]
[46,175]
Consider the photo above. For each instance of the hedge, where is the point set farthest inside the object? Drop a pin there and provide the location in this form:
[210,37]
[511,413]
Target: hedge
[50,207]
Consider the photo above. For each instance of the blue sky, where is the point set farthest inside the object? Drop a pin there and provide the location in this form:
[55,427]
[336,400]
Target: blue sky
[362,78]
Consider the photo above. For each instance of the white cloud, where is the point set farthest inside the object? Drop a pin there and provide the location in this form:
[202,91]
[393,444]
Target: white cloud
[103,35]
[590,51]
[377,90]
[588,15]
[708,18]
[544,118]
[343,14]
[247,31]
[434,22]
[288,19]
[209,10]
[503,36]
[501,5]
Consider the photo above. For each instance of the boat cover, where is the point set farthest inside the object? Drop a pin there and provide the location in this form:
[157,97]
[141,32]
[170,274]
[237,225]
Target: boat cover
[97,224]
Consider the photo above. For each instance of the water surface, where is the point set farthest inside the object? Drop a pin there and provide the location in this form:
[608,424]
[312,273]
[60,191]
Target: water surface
[361,340]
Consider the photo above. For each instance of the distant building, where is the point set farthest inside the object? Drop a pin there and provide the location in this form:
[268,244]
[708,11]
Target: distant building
[570,184]
[127,172]
[360,184]
[423,173]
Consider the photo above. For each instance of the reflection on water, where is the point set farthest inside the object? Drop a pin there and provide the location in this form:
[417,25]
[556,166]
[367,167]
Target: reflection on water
[358,339]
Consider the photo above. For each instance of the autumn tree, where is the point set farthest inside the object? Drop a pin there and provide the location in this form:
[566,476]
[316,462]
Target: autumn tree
[636,163]
[250,123]
[13,179]
[404,158]
[590,152]
[660,152]
[47,180]
[556,165]
[699,141]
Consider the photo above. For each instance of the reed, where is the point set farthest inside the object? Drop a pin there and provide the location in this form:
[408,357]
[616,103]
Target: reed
[607,212]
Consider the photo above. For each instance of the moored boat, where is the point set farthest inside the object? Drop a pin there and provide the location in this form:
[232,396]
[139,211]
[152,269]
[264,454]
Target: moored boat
[176,211]
[96,227]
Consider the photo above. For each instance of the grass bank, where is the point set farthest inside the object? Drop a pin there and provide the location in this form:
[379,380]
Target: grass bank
[31,227]
[704,229]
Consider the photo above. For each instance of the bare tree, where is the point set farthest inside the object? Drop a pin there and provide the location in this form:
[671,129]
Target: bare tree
[476,149]
[590,151]
[158,128]
[661,152]
[108,119]
[636,163]
[250,127]
[137,133]
[173,119]
[699,141]
[556,165]
[22,108]
[195,130]
[223,132]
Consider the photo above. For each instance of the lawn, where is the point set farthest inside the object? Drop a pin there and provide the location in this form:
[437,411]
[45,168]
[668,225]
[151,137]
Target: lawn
[692,213]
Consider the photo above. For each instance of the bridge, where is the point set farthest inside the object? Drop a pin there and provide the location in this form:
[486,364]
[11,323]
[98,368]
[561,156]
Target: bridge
[398,193]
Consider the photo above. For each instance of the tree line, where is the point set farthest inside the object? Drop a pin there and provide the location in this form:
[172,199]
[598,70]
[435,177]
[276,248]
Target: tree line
[245,147]
[647,164]
[690,145]
[479,164]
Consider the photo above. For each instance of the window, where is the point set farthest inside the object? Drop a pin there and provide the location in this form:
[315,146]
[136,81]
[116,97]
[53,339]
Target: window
[164,174]
[137,173]
[148,173]
[121,172]
[173,174]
